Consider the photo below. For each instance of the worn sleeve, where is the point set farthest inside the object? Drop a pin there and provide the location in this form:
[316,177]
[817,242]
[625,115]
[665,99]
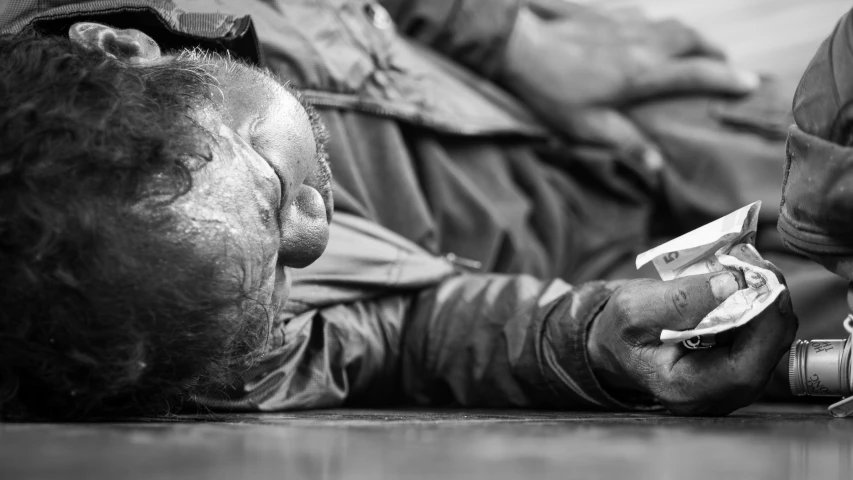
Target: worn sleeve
[504,341]
[472,32]
[472,340]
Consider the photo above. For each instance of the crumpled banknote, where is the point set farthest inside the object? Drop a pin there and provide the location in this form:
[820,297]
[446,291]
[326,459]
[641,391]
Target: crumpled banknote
[706,250]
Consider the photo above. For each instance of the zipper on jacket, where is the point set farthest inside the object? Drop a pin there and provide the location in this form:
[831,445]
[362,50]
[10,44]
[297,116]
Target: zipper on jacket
[464,263]
[323,99]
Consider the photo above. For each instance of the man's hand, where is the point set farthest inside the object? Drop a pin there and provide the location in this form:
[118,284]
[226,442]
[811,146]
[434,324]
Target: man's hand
[628,357]
[576,69]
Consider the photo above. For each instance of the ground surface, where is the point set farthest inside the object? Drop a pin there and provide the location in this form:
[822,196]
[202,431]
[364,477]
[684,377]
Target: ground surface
[765,442]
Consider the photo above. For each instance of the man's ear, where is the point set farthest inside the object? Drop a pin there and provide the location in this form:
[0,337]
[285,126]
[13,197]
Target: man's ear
[129,45]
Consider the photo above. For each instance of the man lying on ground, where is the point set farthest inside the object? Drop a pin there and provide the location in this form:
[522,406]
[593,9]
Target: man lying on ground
[157,187]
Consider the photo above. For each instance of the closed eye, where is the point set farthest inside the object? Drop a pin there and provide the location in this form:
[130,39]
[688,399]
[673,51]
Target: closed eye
[257,146]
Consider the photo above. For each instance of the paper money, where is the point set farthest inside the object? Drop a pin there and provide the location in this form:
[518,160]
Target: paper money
[694,249]
[705,250]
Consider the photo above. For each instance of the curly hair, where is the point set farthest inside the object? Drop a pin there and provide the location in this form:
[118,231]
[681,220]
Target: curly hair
[101,311]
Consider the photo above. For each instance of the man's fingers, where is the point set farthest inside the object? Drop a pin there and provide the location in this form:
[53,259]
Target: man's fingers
[609,128]
[748,254]
[755,349]
[627,13]
[692,75]
[555,9]
[687,300]
[763,340]
[731,376]
[679,40]
[603,126]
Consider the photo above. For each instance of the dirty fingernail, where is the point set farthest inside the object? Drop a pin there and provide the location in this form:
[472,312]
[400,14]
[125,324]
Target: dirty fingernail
[749,80]
[653,159]
[723,285]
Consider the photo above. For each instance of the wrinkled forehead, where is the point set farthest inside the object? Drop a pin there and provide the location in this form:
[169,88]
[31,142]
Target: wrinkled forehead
[258,106]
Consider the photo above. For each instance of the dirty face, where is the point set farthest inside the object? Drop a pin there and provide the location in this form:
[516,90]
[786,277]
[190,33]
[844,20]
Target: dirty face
[265,195]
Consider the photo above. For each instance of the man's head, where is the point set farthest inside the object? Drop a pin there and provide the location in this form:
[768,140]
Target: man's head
[150,205]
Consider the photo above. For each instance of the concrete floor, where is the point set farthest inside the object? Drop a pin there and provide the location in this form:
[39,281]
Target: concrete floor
[773,442]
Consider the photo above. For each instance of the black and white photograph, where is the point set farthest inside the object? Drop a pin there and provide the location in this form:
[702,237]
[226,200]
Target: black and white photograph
[426,239]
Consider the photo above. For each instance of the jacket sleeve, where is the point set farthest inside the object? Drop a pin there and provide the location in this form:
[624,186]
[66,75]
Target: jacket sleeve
[472,340]
[504,341]
[472,32]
